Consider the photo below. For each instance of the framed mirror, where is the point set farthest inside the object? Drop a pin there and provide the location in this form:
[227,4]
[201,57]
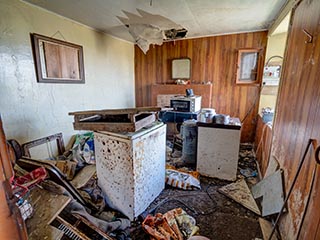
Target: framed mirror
[181,68]
[57,61]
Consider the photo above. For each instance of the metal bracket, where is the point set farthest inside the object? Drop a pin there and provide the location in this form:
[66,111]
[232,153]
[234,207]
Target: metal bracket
[309,36]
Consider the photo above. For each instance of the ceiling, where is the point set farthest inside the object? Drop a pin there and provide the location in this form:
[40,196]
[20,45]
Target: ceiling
[199,17]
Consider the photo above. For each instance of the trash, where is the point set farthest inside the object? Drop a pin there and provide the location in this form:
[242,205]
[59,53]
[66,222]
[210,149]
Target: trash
[176,224]
[67,167]
[83,149]
[170,216]
[92,193]
[187,224]
[25,208]
[83,176]
[271,191]
[119,223]
[187,180]
[198,238]
[240,192]
[21,185]
[248,172]
[158,227]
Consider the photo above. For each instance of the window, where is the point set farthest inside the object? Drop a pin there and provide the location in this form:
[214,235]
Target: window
[248,68]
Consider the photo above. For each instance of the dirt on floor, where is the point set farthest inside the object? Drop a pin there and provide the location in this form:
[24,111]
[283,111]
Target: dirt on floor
[217,216]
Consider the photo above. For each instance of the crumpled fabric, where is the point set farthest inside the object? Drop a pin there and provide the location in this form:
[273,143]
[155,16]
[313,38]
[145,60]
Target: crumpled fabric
[93,194]
[118,224]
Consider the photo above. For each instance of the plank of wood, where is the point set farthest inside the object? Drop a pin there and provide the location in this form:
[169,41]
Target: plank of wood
[271,191]
[117,111]
[240,192]
[273,166]
[115,126]
[266,229]
[98,126]
[46,206]
[144,122]
[64,61]
[83,176]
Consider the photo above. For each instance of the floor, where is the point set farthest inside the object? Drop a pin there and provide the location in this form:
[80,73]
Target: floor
[217,216]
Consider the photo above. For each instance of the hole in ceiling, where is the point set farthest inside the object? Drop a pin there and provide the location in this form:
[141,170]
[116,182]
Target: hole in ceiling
[148,28]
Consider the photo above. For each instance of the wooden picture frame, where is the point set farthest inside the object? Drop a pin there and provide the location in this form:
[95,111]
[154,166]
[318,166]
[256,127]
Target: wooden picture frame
[57,61]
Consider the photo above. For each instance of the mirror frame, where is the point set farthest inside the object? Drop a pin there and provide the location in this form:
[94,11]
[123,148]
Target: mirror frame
[35,41]
[186,74]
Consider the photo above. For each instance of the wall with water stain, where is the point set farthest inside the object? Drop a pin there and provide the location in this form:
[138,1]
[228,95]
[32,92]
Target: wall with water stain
[31,110]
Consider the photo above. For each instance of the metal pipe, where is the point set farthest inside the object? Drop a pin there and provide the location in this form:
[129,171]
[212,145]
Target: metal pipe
[11,223]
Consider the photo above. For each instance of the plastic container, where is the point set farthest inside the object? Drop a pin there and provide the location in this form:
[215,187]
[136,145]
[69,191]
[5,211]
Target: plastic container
[206,115]
[221,119]
[267,117]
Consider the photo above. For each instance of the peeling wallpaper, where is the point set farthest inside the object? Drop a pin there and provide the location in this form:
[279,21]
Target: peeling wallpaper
[31,110]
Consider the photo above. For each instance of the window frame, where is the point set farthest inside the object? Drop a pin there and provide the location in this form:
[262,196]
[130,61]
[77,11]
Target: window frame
[259,66]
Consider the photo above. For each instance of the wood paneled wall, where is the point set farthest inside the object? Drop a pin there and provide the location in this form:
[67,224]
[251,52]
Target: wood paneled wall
[213,59]
[298,119]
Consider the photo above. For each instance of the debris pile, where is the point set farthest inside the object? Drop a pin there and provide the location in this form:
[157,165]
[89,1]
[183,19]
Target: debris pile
[175,224]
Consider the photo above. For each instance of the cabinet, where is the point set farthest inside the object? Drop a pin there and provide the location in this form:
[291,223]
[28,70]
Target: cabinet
[131,167]
[218,150]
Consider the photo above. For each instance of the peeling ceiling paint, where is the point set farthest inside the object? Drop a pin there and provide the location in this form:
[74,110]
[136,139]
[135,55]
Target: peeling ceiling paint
[199,17]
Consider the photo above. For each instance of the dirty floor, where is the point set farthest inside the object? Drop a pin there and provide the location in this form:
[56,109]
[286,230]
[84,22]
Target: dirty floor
[217,216]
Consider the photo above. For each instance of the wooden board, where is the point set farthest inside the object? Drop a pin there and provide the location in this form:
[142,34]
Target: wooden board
[64,61]
[273,166]
[271,191]
[83,176]
[240,192]
[46,206]
[115,126]
[213,59]
[117,111]
[266,229]
[297,119]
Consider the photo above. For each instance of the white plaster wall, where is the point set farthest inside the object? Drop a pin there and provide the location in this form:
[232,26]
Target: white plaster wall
[275,47]
[31,110]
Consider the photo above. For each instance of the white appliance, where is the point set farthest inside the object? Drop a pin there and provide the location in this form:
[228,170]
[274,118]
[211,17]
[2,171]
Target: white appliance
[131,167]
[218,149]
[186,104]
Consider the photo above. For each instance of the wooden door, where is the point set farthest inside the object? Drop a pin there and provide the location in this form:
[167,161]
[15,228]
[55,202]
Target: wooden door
[297,118]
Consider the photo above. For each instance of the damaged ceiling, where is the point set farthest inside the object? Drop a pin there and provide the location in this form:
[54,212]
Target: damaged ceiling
[195,18]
